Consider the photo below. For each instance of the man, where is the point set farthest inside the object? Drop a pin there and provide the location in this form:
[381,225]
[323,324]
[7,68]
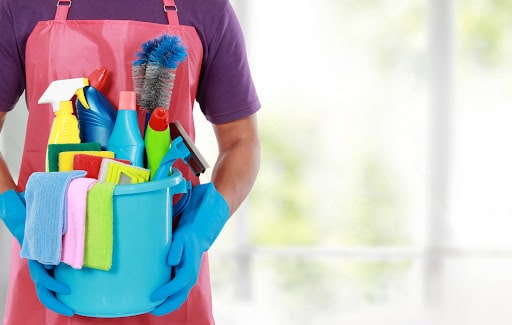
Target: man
[41,43]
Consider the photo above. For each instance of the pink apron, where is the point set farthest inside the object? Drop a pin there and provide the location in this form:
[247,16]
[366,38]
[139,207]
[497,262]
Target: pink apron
[62,49]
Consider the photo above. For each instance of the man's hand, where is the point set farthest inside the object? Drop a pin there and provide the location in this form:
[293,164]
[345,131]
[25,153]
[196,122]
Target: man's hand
[199,225]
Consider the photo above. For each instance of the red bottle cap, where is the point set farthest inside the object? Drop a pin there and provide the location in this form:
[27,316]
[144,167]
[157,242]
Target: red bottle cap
[98,77]
[158,119]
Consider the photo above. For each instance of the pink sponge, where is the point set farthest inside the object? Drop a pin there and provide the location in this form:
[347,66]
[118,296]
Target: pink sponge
[91,164]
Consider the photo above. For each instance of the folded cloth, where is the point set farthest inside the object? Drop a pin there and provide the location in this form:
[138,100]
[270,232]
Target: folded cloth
[55,149]
[66,158]
[99,227]
[73,240]
[45,194]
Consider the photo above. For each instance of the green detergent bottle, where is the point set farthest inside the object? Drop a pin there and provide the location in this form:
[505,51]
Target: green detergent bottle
[157,139]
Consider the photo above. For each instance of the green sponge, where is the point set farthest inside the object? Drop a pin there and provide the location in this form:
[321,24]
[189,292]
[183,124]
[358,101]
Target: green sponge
[55,149]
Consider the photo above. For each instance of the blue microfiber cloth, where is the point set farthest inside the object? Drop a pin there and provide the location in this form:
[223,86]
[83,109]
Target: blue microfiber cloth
[99,227]
[45,195]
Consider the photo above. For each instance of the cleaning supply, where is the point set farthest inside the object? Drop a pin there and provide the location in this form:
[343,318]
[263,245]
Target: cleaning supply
[160,72]
[66,158]
[139,67]
[116,172]
[62,91]
[74,239]
[55,149]
[65,125]
[45,195]
[157,139]
[99,227]
[143,218]
[195,160]
[91,164]
[96,116]
[178,150]
[98,78]
[154,72]
[126,140]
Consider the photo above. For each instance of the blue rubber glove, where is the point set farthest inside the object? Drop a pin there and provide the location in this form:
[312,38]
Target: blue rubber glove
[13,213]
[47,286]
[200,224]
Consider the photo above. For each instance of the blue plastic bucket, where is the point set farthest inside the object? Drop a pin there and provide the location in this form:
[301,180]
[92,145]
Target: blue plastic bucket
[142,238]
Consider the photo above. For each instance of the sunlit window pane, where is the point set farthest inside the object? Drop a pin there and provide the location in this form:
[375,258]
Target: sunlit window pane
[343,85]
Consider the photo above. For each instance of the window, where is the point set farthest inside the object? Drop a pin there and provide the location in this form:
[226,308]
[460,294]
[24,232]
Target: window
[383,189]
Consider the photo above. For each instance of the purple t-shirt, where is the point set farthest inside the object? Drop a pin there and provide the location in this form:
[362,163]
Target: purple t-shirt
[226,91]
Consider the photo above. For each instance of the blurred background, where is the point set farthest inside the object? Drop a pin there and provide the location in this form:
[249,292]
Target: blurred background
[384,194]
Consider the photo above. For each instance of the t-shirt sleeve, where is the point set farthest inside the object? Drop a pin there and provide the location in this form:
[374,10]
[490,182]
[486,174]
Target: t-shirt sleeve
[12,80]
[226,90]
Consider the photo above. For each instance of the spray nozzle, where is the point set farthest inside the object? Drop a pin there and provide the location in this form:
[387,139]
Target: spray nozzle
[61,90]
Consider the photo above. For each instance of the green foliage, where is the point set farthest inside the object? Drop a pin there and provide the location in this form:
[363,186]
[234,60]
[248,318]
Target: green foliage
[280,202]
[484,28]
[376,219]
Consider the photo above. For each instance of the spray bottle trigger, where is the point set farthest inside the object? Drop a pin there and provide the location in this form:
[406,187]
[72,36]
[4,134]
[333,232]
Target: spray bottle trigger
[81,97]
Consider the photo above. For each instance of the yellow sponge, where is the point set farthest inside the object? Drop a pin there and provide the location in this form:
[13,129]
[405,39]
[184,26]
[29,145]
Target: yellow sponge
[66,158]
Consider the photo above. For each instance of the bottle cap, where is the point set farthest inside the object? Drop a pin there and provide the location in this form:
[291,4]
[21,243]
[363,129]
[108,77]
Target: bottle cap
[127,100]
[158,119]
[98,77]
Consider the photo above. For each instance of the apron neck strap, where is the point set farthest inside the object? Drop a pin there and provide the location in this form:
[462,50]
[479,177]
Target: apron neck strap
[170,10]
[62,10]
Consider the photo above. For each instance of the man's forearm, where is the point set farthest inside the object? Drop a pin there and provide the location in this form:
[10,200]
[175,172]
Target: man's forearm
[239,159]
[6,181]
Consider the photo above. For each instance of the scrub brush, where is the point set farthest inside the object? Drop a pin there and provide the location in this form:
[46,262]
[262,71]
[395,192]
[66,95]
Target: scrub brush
[155,71]
[139,67]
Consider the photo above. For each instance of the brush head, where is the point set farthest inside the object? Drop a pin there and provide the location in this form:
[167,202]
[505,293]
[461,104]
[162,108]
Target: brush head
[169,52]
[154,72]
[143,56]
[158,86]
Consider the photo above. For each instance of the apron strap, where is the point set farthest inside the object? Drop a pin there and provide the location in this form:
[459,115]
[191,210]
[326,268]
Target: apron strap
[62,9]
[170,10]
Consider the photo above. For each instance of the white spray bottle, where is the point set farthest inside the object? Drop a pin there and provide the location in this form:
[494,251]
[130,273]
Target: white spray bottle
[65,125]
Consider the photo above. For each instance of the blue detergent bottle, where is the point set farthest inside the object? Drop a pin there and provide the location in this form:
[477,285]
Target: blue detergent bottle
[96,116]
[126,140]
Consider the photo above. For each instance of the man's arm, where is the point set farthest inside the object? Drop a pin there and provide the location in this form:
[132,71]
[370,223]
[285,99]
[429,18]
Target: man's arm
[6,181]
[238,161]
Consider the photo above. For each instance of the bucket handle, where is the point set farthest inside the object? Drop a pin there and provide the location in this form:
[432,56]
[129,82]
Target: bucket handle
[178,208]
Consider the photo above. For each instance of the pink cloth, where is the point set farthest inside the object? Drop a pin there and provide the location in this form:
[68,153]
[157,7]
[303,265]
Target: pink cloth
[73,240]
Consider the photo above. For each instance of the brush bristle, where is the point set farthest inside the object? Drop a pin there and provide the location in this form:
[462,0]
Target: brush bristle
[154,71]
[169,53]
[157,90]
[147,48]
